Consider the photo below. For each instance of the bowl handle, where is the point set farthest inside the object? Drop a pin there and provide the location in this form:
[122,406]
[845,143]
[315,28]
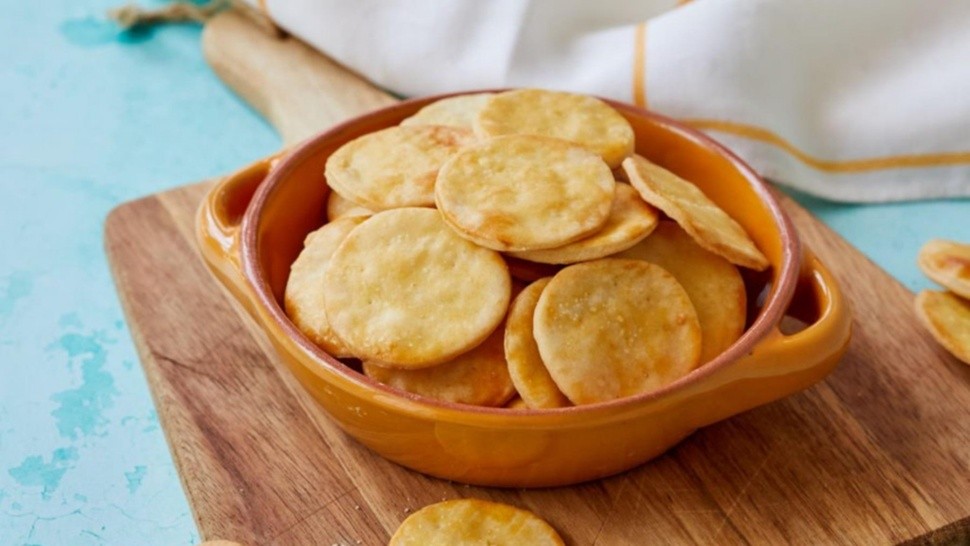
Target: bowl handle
[218,228]
[818,302]
[781,364]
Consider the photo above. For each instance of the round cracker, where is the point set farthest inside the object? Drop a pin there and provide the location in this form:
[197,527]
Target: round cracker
[947,317]
[686,204]
[304,295]
[525,193]
[339,207]
[613,328]
[404,289]
[457,111]
[517,403]
[715,287]
[948,263]
[584,120]
[630,220]
[474,521]
[394,167]
[479,377]
[528,372]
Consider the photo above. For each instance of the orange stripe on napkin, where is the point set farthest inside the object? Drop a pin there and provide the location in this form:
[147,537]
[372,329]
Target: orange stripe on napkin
[639,65]
[841,166]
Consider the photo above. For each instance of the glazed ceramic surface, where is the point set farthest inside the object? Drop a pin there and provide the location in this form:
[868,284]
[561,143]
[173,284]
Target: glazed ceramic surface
[251,228]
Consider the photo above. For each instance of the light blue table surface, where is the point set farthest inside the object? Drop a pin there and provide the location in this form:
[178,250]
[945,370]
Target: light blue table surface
[93,118]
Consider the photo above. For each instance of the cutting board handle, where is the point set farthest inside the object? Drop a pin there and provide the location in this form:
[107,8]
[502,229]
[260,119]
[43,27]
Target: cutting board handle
[299,91]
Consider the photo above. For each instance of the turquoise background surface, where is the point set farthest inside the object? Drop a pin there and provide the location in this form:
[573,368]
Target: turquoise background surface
[92,118]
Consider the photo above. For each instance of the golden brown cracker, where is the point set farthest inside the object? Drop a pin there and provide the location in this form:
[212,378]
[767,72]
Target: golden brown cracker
[948,263]
[340,207]
[459,111]
[394,167]
[474,522]
[612,328]
[525,193]
[479,377]
[582,119]
[304,295]
[529,375]
[714,285]
[700,217]
[631,219]
[947,317]
[404,289]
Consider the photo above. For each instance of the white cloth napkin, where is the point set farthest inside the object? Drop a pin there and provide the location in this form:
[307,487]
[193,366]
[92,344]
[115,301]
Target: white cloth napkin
[858,100]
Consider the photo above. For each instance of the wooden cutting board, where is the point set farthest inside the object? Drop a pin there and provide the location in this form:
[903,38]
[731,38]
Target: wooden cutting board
[877,453]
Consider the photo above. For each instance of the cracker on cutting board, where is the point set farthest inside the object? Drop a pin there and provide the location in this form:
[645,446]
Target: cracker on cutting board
[304,295]
[947,317]
[394,167]
[582,119]
[525,193]
[529,374]
[948,263]
[612,328]
[404,289]
[631,219]
[479,377]
[703,220]
[715,287]
[474,522]
[339,207]
[457,111]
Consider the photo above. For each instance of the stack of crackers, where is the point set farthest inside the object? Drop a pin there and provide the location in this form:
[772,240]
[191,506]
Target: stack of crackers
[947,313]
[484,252]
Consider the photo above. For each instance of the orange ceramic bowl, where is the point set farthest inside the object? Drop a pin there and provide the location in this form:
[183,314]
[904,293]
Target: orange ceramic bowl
[252,225]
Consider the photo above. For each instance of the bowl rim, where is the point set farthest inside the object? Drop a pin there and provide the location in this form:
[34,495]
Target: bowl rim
[777,301]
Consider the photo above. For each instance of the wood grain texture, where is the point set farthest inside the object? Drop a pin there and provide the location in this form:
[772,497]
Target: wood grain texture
[878,453]
[297,90]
